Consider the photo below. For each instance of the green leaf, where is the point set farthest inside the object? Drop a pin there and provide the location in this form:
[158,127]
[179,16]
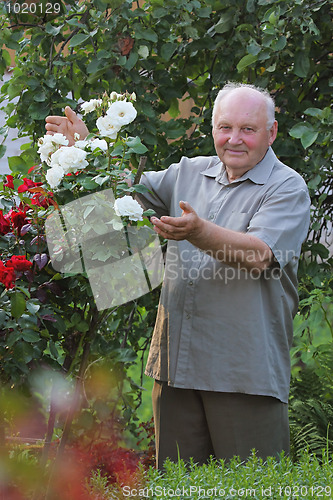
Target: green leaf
[143,51]
[3,317]
[53,350]
[316,112]
[135,145]
[88,183]
[246,61]
[18,304]
[168,50]
[174,110]
[30,336]
[143,33]
[225,23]
[17,165]
[149,212]
[82,327]
[298,130]
[78,40]
[309,137]
[302,64]
[52,30]
[131,61]
[39,96]
[38,111]
[2,150]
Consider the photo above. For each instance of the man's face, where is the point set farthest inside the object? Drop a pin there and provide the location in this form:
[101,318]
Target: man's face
[240,131]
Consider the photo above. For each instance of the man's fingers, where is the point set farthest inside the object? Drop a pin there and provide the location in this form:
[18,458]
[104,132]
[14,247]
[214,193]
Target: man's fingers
[186,207]
[174,222]
[51,127]
[70,114]
[54,120]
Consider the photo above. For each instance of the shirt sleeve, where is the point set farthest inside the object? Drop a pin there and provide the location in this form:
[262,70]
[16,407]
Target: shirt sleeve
[160,189]
[282,221]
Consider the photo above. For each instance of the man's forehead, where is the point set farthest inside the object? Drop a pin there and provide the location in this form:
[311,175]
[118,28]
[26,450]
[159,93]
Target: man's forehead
[244,96]
[246,106]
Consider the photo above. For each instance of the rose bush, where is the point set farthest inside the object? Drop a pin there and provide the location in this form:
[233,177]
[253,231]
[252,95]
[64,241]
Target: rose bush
[49,321]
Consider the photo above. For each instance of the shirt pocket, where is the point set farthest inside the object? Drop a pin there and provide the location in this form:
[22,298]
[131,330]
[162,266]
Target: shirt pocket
[238,221]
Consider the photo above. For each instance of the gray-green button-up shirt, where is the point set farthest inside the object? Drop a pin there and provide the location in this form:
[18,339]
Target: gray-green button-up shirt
[221,328]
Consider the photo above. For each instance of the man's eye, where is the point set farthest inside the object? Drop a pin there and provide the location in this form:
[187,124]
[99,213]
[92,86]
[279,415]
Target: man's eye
[248,129]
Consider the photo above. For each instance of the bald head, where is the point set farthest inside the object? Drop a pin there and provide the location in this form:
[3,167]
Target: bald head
[243,91]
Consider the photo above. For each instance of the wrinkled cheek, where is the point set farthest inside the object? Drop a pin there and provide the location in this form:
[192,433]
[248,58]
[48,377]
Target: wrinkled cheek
[219,142]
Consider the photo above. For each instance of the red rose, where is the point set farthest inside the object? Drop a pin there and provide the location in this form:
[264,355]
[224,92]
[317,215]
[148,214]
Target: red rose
[7,276]
[27,185]
[9,183]
[19,263]
[18,218]
[4,224]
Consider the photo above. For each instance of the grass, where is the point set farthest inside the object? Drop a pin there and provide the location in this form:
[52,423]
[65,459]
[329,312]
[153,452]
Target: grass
[307,479]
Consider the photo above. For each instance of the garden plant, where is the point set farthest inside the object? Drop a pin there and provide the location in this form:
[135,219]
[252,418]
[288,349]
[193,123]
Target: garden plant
[175,55]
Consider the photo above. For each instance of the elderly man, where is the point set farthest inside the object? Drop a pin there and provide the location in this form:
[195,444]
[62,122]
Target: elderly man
[235,224]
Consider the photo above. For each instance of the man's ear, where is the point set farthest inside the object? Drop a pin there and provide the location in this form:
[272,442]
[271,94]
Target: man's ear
[272,133]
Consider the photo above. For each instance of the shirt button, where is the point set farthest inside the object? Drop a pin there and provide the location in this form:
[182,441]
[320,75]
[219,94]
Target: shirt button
[188,316]
[190,283]
[211,216]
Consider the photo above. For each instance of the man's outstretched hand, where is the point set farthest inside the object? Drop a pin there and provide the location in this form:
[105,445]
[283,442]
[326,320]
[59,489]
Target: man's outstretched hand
[67,125]
[188,225]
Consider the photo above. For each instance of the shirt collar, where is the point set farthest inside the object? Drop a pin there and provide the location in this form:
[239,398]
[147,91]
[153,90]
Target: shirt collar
[259,174]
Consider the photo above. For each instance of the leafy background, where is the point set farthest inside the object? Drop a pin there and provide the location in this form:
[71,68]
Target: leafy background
[176,55]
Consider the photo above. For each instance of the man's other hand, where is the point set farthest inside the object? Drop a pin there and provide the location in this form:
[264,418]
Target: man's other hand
[67,125]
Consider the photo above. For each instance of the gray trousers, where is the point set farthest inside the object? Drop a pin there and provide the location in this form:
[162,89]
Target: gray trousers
[197,424]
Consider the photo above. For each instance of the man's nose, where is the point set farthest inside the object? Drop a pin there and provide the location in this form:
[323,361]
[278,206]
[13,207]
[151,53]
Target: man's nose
[235,136]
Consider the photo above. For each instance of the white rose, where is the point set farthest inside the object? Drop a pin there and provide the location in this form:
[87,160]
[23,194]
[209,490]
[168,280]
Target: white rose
[107,127]
[121,113]
[98,143]
[89,106]
[49,144]
[127,207]
[54,176]
[70,159]
[82,144]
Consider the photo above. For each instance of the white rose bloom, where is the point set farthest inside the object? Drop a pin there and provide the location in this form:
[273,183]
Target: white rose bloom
[107,127]
[122,113]
[70,159]
[82,144]
[127,207]
[99,143]
[89,106]
[49,144]
[54,176]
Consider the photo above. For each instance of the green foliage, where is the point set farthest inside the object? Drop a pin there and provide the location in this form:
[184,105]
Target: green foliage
[251,479]
[169,52]
[311,395]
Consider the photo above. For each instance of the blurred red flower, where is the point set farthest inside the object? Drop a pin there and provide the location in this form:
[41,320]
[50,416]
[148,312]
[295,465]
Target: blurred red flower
[18,218]
[27,185]
[4,223]
[9,182]
[19,263]
[7,275]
